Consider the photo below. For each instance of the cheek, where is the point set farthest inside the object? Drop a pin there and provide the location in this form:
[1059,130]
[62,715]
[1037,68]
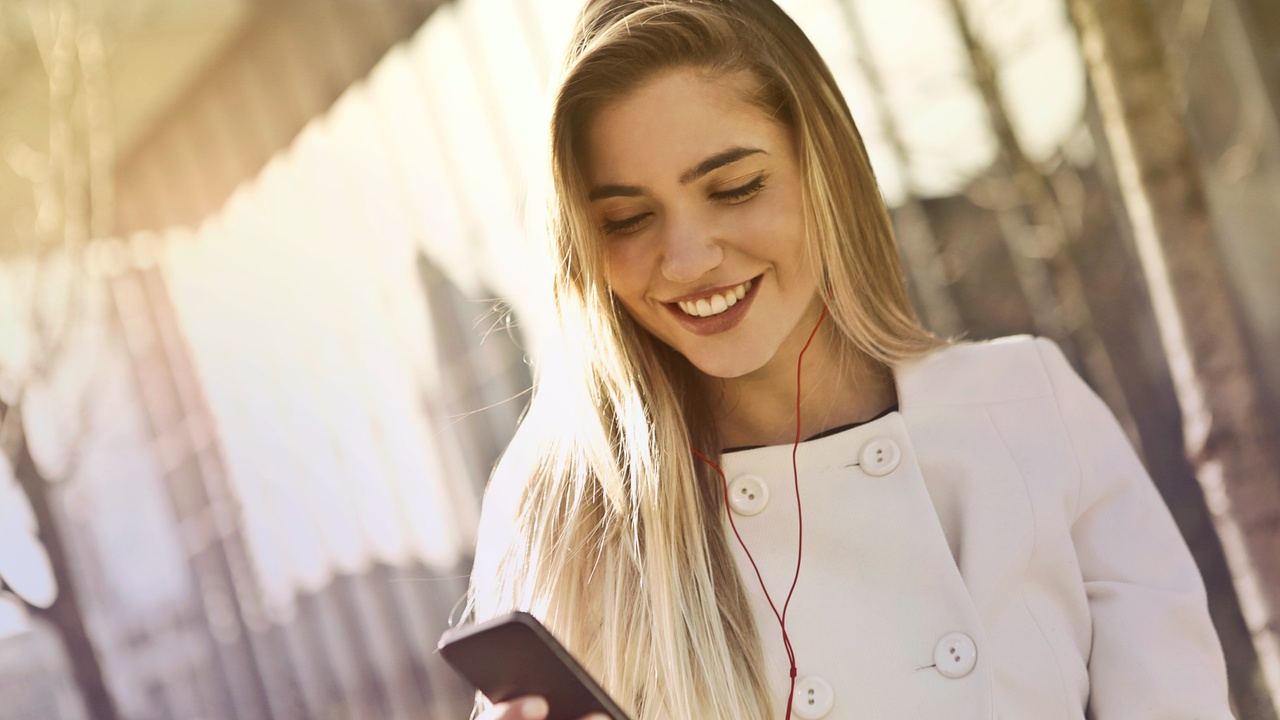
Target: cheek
[783,247]
[626,270]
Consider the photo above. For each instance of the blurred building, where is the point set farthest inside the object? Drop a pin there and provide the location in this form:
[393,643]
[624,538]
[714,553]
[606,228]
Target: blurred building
[258,531]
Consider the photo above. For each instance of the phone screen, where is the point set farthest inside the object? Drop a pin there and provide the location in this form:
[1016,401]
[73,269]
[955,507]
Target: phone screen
[514,655]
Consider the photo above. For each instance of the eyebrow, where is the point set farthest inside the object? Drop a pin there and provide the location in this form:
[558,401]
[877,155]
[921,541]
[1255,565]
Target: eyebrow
[719,160]
[600,192]
[716,161]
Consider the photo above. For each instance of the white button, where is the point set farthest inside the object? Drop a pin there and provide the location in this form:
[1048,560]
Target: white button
[955,655]
[880,457]
[748,494]
[814,698]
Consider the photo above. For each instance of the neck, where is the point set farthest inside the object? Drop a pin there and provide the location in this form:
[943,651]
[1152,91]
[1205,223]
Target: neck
[760,408]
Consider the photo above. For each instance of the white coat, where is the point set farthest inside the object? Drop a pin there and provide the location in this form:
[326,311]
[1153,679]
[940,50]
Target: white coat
[994,549]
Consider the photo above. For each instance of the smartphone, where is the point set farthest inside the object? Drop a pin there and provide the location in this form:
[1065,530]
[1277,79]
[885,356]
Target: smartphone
[514,655]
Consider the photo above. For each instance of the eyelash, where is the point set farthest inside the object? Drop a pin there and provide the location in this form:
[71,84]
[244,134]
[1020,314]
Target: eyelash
[614,227]
[735,195]
[741,192]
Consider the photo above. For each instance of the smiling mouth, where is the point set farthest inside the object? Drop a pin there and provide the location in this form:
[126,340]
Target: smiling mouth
[715,304]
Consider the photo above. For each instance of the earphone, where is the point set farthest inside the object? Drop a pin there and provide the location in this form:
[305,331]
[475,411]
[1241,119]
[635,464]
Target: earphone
[795,474]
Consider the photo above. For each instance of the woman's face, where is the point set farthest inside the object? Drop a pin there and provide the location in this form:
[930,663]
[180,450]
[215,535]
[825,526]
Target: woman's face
[697,193]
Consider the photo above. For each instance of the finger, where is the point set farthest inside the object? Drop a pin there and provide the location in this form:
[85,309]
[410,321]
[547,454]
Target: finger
[531,707]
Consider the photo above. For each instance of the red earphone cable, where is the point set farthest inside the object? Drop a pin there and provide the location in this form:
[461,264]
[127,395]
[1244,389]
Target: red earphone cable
[795,474]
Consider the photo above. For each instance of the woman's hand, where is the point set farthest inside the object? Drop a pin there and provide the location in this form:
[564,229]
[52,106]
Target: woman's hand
[525,708]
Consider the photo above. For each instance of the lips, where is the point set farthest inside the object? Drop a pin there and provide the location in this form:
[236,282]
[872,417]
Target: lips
[715,312]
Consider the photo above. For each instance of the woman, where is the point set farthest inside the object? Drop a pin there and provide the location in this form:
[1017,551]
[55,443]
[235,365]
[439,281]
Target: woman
[963,531]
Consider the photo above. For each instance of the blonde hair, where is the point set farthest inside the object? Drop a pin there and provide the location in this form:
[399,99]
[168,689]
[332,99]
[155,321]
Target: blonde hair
[615,537]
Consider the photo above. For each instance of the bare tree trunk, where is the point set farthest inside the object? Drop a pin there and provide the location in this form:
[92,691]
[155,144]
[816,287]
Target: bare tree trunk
[64,615]
[1037,238]
[920,247]
[1227,432]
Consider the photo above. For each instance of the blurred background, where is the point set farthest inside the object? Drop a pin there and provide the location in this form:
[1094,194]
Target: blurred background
[269,307]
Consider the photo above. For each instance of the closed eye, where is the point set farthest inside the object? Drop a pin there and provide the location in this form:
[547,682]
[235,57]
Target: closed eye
[625,225]
[740,193]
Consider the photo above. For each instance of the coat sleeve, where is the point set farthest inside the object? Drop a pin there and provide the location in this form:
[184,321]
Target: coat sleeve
[1155,654]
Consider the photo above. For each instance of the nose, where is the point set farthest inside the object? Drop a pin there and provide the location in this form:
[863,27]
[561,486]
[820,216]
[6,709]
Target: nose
[689,249]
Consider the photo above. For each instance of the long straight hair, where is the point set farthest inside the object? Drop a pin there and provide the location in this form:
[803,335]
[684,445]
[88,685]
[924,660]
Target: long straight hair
[597,518]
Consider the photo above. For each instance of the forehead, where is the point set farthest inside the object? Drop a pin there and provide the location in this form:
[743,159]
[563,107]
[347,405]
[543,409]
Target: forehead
[674,120]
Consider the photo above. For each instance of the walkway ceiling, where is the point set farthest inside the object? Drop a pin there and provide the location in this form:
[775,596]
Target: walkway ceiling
[155,50]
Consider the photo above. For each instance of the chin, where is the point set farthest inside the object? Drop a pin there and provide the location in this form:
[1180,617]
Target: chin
[725,367]
[724,364]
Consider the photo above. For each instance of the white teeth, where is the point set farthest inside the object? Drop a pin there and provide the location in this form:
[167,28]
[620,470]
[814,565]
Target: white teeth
[715,304]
